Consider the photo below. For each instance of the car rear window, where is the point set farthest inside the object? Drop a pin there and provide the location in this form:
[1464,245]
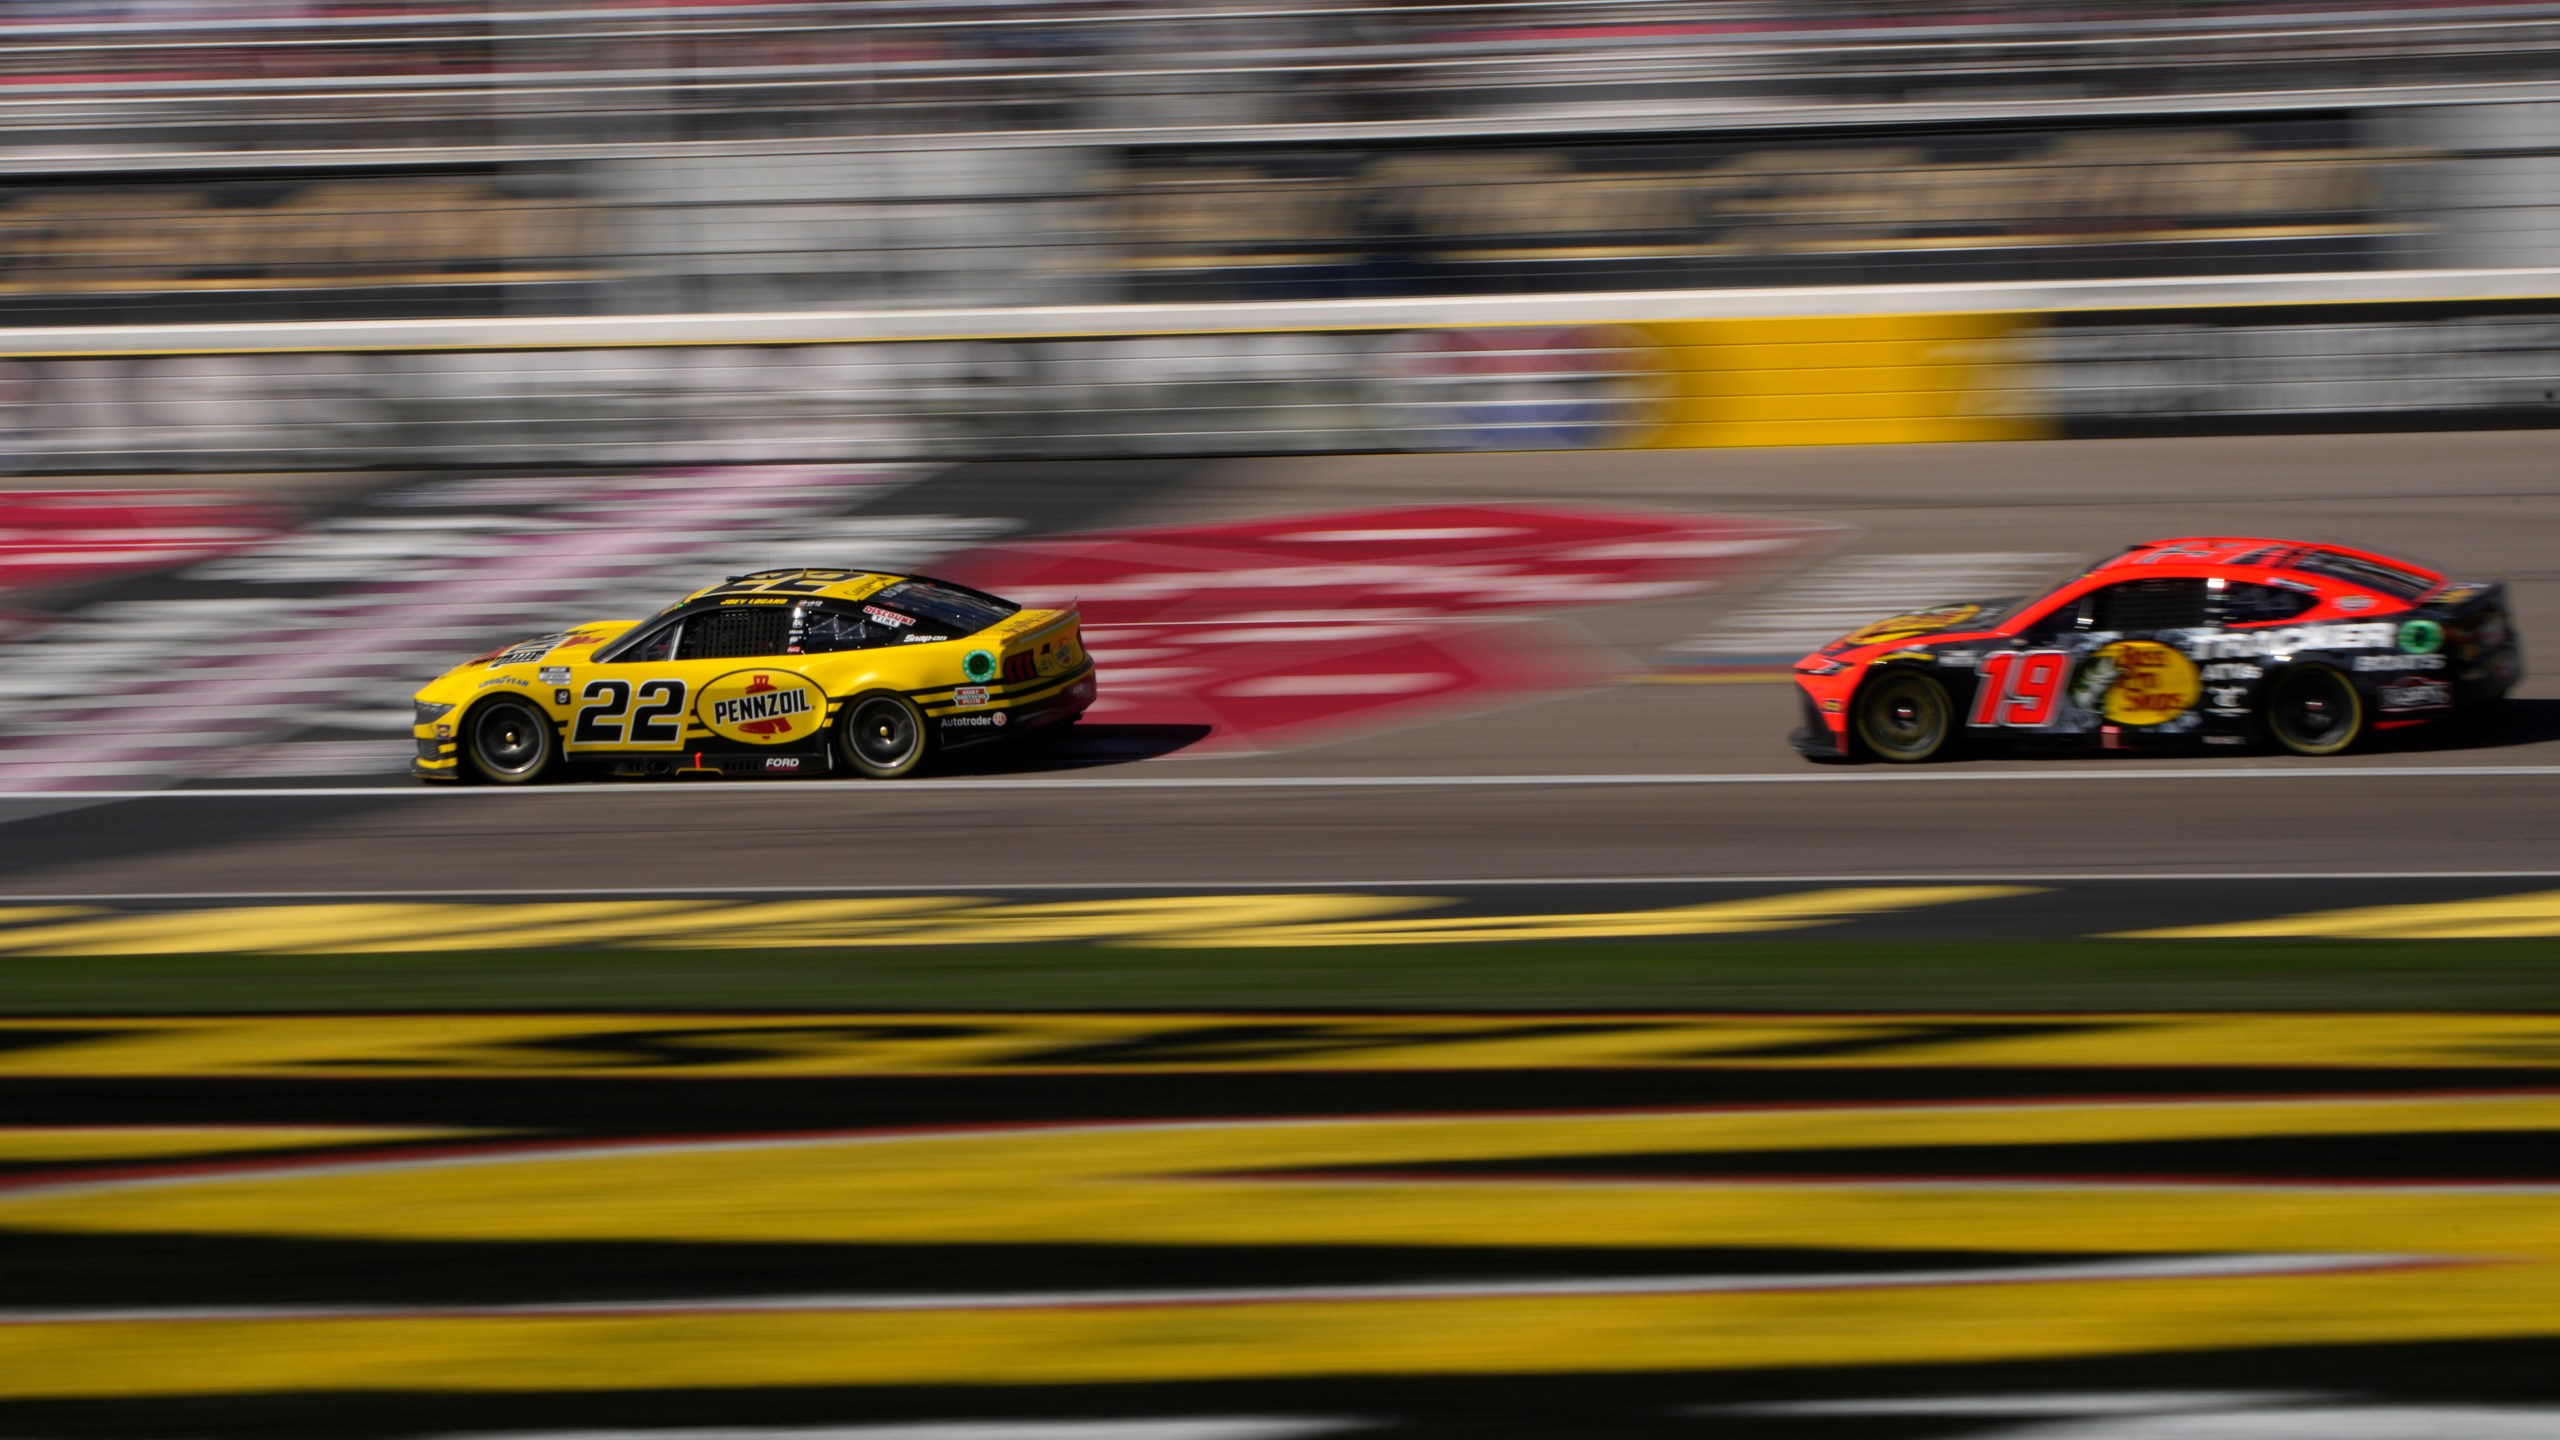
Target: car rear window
[2247,604]
[958,611]
[2391,580]
[833,626]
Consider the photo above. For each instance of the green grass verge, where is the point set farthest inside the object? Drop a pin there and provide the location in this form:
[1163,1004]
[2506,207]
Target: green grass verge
[1755,975]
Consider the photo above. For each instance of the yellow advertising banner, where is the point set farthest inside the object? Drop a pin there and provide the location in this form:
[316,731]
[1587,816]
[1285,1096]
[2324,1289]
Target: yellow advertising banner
[1847,380]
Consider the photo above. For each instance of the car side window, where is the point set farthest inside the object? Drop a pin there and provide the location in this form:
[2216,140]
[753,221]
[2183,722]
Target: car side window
[2070,617]
[2153,604]
[2246,604]
[736,632]
[829,628]
[657,645]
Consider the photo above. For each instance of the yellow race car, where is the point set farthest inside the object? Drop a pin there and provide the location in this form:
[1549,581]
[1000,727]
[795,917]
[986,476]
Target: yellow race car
[782,672]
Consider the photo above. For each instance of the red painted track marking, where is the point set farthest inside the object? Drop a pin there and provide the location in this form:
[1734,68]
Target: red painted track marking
[1300,627]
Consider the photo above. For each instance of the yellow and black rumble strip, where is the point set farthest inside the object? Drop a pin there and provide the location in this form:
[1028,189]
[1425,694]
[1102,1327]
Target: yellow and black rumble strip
[1312,917]
[1227,1224]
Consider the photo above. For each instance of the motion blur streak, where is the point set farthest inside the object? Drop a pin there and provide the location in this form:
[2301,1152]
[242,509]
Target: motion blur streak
[2490,918]
[2471,1260]
[961,1043]
[1423,996]
[1181,921]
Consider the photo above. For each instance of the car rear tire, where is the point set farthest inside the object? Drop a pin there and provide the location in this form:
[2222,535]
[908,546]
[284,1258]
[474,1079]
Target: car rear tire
[1904,717]
[881,736]
[2314,710]
[509,742]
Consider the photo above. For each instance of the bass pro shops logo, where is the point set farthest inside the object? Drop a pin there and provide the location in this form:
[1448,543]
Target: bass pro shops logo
[763,707]
[2136,682]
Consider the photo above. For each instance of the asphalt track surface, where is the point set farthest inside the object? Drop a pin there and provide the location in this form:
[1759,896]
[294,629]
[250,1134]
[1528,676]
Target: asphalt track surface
[1256,1227]
[1633,780]
[1174,1226]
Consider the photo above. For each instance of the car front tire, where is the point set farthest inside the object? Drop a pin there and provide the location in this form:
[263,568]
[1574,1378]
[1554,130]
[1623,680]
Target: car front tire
[1904,717]
[508,742]
[2314,710]
[882,736]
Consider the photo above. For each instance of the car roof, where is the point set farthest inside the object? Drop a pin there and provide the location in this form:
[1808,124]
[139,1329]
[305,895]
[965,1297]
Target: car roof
[2205,554]
[833,584]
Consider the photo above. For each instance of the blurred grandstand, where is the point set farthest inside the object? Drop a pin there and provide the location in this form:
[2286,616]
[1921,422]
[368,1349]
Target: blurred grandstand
[296,161]
[888,199]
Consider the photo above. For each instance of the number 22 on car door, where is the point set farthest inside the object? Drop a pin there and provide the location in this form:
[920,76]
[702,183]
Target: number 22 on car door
[628,712]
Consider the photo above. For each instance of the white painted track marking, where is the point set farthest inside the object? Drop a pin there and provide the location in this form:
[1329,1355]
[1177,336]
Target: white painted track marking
[2063,774]
[2200,1267]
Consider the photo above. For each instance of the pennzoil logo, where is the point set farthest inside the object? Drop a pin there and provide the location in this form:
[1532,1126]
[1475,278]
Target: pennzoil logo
[763,707]
[2137,682]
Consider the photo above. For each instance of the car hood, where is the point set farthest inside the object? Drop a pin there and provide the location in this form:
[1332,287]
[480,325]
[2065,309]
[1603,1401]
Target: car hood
[558,647]
[1958,616]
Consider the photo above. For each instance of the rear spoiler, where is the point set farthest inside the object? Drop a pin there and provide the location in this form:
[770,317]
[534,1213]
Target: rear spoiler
[1022,650]
[972,591]
[2463,597]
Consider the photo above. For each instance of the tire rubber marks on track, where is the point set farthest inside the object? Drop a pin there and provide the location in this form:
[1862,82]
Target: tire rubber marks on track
[817,1045]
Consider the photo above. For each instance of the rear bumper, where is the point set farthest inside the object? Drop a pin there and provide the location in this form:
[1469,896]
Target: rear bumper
[979,727]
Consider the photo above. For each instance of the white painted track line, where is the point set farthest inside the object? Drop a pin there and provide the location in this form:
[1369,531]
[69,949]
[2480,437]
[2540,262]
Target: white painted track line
[777,789]
[2152,1268]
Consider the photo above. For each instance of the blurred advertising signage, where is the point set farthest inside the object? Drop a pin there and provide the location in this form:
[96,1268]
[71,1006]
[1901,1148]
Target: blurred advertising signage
[2090,201]
[1496,388]
[258,234]
[2291,369]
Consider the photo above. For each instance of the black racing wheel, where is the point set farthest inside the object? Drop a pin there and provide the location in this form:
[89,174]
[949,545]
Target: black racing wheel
[509,742]
[1904,716]
[881,735]
[2314,710]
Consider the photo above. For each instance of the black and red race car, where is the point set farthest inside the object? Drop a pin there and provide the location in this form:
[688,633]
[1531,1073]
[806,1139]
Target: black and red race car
[2205,640]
